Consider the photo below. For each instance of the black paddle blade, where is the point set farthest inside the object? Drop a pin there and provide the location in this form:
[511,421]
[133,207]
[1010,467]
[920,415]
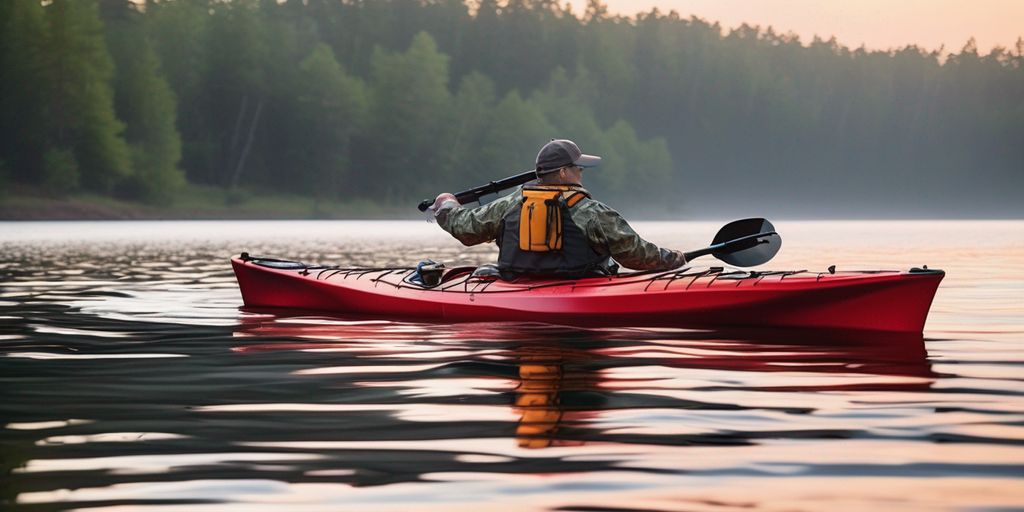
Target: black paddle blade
[750,252]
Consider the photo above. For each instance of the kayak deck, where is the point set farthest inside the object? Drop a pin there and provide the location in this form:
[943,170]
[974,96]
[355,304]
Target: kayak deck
[890,301]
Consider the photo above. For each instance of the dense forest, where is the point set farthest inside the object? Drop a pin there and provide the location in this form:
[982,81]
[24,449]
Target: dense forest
[392,101]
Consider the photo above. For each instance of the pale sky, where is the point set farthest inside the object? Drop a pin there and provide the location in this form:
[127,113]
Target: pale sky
[878,24]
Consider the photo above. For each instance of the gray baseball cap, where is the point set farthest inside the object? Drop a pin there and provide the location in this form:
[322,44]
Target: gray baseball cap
[561,152]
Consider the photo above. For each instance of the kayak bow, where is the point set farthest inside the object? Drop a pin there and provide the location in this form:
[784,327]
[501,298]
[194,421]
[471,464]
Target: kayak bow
[888,301]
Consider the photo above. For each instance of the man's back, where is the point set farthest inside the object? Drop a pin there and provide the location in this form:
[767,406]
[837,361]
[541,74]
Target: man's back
[577,234]
[604,232]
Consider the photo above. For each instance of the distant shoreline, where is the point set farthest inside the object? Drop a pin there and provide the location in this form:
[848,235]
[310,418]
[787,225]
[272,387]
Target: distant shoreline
[193,203]
[209,204]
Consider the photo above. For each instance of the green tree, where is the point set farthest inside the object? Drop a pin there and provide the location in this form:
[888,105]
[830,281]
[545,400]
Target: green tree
[409,119]
[472,110]
[180,33]
[332,108]
[236,90]
[518,128]
[645,165]
[147,105]
[23,121]
[82,100]
[566,101]
[60,171]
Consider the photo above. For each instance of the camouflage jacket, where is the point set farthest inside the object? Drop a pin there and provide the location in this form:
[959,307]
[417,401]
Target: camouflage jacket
[606,230]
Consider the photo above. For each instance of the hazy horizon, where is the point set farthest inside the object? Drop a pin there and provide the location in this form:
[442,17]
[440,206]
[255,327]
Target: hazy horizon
[876,24]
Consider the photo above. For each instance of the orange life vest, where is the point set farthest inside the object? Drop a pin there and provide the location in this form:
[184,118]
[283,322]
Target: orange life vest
[540,238]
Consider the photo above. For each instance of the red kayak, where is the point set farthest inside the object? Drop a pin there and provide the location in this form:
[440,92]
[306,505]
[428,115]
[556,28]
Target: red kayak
[889,301]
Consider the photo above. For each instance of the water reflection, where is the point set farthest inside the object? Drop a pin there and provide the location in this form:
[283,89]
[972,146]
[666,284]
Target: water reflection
[571,386]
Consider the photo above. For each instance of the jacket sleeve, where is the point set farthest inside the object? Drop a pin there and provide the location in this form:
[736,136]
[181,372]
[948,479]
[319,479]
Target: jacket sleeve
[473,226]
[606,228]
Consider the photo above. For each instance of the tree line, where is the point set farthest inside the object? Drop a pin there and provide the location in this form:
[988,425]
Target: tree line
[396,100]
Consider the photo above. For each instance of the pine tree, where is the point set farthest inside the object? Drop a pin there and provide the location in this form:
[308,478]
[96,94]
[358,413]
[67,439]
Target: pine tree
[472,109]
[517,130]
[23,137]
[147,105]
[179,32]
[81,111]
[236,90]
[409,118]
[332,106]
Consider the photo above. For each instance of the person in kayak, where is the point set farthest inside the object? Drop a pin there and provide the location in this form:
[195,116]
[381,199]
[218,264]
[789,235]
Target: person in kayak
[552,227]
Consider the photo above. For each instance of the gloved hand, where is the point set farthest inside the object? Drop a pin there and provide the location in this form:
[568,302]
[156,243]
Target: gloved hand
[445,200]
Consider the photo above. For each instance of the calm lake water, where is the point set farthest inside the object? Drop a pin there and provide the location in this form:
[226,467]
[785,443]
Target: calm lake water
[130,380]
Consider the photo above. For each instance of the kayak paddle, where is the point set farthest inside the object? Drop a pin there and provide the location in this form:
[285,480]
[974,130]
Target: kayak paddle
[742,243]
[475,193]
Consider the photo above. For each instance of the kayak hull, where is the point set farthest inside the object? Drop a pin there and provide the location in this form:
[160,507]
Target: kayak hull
[884,301]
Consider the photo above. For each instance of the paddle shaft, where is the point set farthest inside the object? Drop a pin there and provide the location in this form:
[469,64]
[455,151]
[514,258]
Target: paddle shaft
[738,244]
[474,194]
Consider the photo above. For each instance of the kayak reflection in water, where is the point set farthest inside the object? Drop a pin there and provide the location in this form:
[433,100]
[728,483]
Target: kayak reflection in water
[569,386]
[553,227]
[537,402]
[545,377]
